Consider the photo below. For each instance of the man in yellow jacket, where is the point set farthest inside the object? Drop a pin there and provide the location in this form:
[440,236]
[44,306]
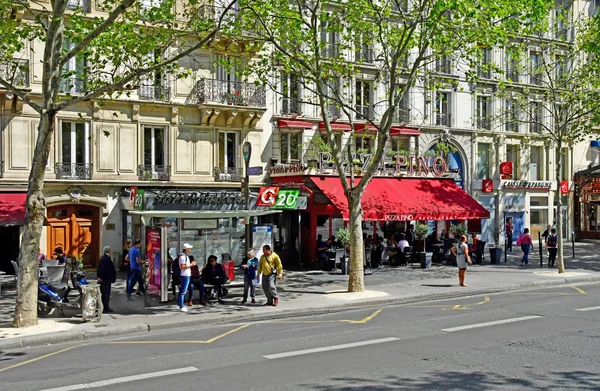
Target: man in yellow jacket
[270,267]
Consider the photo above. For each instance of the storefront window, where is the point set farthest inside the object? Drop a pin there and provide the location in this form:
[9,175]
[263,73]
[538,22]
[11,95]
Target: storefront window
[512,155]
[535,165]
[538,215]
[323,226]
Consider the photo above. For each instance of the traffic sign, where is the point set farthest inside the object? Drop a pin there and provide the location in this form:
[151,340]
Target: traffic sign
[258,170]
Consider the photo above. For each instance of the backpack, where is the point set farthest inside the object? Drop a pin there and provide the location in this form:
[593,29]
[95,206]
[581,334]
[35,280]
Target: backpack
[552,240]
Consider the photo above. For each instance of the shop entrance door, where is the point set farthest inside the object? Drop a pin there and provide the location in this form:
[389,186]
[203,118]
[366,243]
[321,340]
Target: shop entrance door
[9,243]
[76,229]
[518,219]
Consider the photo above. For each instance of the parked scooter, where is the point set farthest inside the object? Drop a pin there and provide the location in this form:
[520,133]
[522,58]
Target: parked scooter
[56,296]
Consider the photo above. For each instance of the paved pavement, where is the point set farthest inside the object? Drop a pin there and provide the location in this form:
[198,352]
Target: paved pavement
[302,294]
[536,339]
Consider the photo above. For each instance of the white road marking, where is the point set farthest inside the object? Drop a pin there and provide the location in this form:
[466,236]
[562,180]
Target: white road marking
[328,348]
[588,309]
[494,323]
[104,383]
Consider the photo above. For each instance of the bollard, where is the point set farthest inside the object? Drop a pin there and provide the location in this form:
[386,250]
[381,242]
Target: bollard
[573,242]
[505,247]
[541,251]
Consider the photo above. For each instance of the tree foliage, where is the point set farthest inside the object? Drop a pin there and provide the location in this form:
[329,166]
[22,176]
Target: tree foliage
[329,46]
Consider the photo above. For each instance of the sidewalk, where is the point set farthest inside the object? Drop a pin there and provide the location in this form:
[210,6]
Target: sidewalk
[302,293]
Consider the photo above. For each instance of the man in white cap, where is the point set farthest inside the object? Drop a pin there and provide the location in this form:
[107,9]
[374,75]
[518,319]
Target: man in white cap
[186,274]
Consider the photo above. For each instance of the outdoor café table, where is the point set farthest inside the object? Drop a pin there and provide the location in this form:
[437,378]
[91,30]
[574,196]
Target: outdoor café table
[331,257]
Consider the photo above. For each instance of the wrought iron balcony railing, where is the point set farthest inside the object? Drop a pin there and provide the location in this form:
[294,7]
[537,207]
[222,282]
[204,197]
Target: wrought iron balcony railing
[402,116]
[155,92]
[443,66]
[228,174]
[15,72]
[154,173]
[364,112]
[484,123]
[234,93]
[442,119]
[85,5]
[365,55]
[290,106]
[81,171]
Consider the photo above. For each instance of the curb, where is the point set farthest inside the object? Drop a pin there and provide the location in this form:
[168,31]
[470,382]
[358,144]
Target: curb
[45,339]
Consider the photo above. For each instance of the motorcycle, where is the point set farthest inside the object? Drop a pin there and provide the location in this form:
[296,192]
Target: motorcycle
[53,295]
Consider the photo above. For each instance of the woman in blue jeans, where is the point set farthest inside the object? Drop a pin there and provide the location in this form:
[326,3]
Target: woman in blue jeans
[526,244]
[186,274]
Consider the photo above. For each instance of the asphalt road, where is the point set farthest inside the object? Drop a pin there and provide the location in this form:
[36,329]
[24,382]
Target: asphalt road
[546,339]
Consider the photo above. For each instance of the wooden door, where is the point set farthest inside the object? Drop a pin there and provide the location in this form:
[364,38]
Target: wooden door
[76,229]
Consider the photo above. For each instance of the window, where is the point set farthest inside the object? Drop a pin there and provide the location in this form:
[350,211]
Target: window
[510,116]
[512,155]
[512,68]
[536,120]
[338,140]
[535,163]
[402,114]
[228,150]
[442,109]
[74,69]
[538,207]
[443,64]
[329,41]
[226,69]
[364,98]
[401,143]
[364,50]
[155,147]
[75,143]
[483,112]
[483,69]
[147,4]
[332,91]
[290,92]
[483,160]
[535,74]
[561,70]
[363,143]
[154,86]
[291,144]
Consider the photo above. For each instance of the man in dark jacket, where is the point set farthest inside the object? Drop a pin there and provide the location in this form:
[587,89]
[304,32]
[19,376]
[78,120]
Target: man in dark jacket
[214,274]
[107,275]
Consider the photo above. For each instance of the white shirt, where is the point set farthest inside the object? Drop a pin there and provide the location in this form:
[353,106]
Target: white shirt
[185,260]
[403,243]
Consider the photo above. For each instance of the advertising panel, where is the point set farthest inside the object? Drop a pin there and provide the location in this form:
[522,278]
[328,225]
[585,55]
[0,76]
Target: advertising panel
[154,255]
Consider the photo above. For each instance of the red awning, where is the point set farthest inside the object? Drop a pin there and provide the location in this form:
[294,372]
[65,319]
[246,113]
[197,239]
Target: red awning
[336,126]
[292,123]
[12,209]
[395,131]
[406,199]
[365,128]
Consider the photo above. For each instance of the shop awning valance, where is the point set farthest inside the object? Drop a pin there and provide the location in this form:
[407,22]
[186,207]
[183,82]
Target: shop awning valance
[395,131]
[406,199]
[12,209]
[202,214]
[293,124]
[336,127]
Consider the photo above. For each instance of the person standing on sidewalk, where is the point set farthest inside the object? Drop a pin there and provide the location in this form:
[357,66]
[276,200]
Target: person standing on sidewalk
[461,252]
[552,247]
[135,264]
[526,243]
[509,233]
[126,263]
[250,266]
[271,268]
[185,276]
[107,275]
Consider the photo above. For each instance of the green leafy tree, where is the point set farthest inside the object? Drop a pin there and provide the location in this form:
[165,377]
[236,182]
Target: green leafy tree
[557,98]
[116,47]
[340,52]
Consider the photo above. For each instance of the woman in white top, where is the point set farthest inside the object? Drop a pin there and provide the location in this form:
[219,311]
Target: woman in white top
[461,252]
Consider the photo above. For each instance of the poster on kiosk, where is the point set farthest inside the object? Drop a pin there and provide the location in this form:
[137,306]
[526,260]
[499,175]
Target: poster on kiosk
[261,235]
[156,255]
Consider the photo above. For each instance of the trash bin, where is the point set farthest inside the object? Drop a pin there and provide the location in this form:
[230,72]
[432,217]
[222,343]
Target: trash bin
[428,260]
[495,255]
[345,266]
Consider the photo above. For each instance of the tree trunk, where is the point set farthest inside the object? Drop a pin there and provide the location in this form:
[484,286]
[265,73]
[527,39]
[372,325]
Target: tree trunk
[559,221]
[356,280]
[26,306]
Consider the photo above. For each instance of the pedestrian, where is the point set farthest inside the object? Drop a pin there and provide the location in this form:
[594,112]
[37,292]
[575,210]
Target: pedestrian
[214,274]
[41,256]
[60,256]
[546,233]
[509,233]
[410,234]
[107,275]
[126,263]
[552,247]
[250,266]
[185,275]
[135,263]
[526,243]
[270,267]
[461,252]
[196,282]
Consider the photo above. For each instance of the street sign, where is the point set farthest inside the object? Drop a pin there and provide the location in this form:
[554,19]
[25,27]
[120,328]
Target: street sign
[258,170]
[247,152]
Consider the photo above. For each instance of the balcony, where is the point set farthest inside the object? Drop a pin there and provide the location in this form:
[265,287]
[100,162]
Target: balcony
[248,26]
[512,74]
[228,174]
[511,126]
[80,171]
[155,92]
[442,119]
[16,72]
[289,106]
[225,92]
[154,173]
[402,115]
[484,123]
[330,50]
[535,80]
[365,55]
[443,66]
[364,112]
[84,5]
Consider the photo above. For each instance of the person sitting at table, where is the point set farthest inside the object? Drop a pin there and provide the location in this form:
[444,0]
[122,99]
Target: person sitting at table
[403,243]
[369,241]
[393,246]
[60,256]
[473,249]
[322,255]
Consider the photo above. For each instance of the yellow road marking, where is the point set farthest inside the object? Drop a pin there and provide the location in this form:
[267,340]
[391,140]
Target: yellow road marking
[361,321]
[367,319]
[177,342]
[486,299]
[579,290]
[40,358]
